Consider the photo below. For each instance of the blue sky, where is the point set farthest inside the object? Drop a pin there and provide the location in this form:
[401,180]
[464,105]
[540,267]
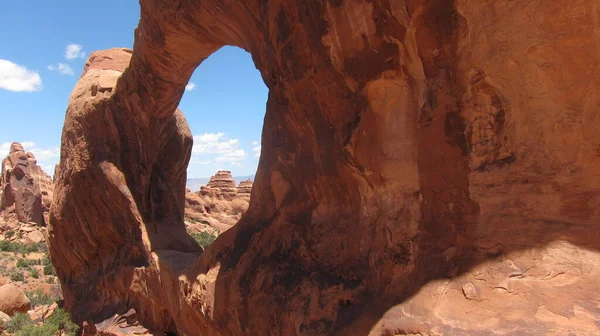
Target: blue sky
[44,45]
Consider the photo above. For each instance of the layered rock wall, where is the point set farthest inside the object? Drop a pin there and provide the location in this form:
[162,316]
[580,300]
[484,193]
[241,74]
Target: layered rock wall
[221,185]
[427,167]
[223,181]
[244,189]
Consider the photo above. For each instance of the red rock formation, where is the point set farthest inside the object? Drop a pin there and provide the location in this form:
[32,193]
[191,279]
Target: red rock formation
[244,189]
[215,207]
[221,185]
[25,186]
[222,180]
[427,167]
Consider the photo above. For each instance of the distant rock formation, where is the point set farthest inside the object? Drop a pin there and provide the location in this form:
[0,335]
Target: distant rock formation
[26,189]
[244,189]
[219,204]
[221,185]
[223,181]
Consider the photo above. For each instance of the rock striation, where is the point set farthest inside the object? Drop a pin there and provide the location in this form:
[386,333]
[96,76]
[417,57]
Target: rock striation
[223,181]
[244,189]
[221,185]
[26,189]
[218,205]
[428,167]
[207,212]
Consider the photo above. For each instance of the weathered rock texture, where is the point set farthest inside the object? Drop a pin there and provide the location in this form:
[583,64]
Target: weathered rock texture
[427,167]
[223,181]
[203,211]
[244,189]
[215,207]
[25,188]
[218,205]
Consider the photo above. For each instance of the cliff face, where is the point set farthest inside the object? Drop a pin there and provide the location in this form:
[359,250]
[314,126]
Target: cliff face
[429,167]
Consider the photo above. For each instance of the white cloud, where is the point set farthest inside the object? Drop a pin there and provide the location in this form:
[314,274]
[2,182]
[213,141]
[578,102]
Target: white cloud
[215,150]
[198,161]
[17,78]
[74,51]
[256,148]
[43,154]
[234,158]
[231,157]
[62,68]
[213,143]
[190,87]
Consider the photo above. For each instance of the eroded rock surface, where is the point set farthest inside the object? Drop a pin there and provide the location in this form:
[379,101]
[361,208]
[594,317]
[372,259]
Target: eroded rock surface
[26,190]
[222,182]
[218,205]
[207,209]
[244,189]
[428,167]
[215,207]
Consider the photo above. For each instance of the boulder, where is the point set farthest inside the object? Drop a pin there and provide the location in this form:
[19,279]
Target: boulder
[13,300]
[4,318]
[35,237]
[42,312]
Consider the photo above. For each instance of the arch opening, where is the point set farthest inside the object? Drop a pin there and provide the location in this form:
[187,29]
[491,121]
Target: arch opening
[224,104]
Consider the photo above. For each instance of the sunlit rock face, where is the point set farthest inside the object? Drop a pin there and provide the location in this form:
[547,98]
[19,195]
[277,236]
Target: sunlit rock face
[25,189]
[427,167]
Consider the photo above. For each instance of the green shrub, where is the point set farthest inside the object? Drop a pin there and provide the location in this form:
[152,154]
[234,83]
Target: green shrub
[204,238]
[22,263]
[36,247]
[27,263]
[34,273]
[49,270]
[50,280]
[22,325]
[48,267]
[4,245]
[62,319]
[39,298]
[17,276]
[45,329]
[9,234]
[8,246]
[46,260]
[18,322]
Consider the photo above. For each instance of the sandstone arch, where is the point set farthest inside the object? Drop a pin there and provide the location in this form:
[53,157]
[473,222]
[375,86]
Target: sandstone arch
[404,142]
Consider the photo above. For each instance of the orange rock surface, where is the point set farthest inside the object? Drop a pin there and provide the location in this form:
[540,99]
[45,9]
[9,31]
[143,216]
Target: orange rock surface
[25,189]
[428,167]
[244,189]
